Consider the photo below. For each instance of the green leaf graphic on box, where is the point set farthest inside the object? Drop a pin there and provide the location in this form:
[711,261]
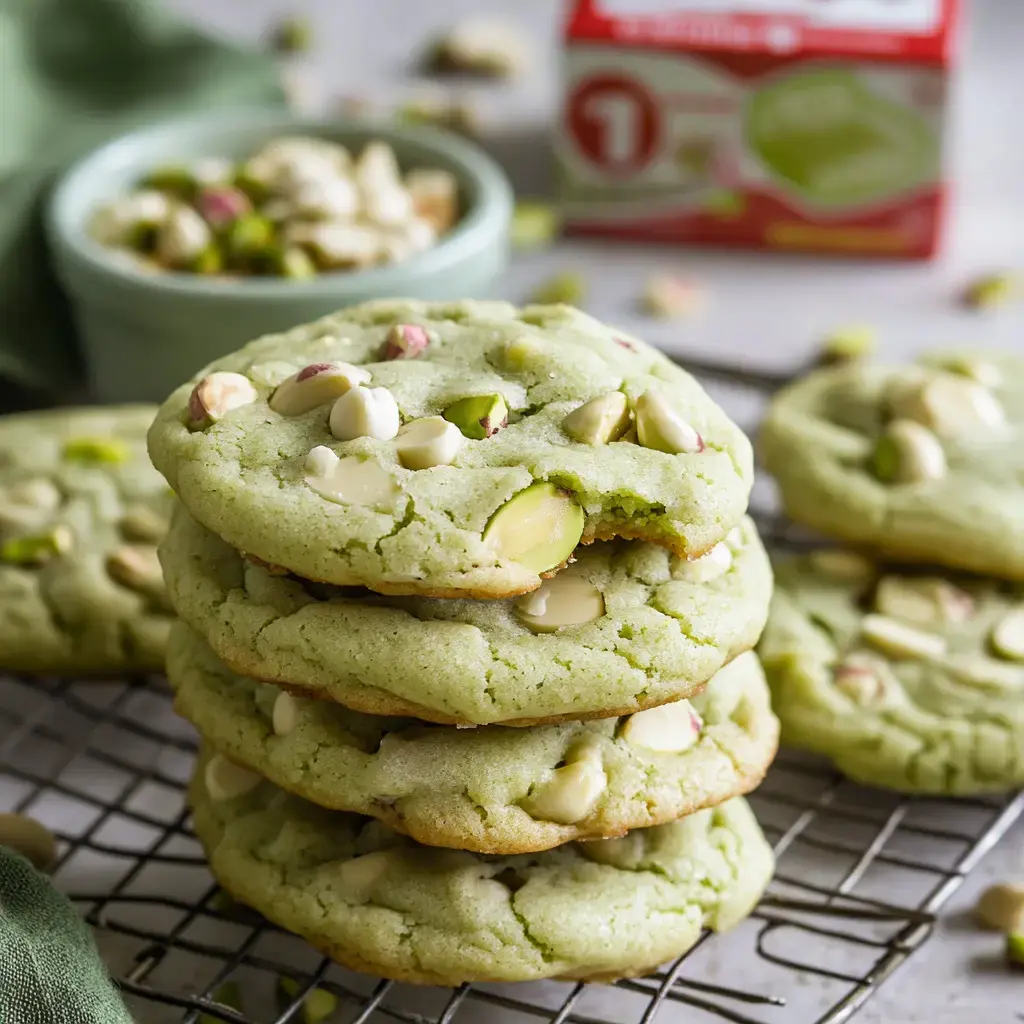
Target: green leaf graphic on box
[830,137]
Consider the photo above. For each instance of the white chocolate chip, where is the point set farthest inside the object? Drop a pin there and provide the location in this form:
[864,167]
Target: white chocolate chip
[560,601]
[670,728]
[431,441]
[1007,636]
[216,395]
[349,481]
[183,237]
[600,421]
[359,875]
[925,601]
[899,640]
[1001,908]
[365,412]
[909,453]
[842,565]
[285,716]
[226,780]
[659,426]
[986,673]
[315,385]
[949,405]
[571,792]
[709,566]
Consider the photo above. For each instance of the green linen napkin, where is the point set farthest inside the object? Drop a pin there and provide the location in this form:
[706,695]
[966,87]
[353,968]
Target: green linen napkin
[50,972]
[74,73]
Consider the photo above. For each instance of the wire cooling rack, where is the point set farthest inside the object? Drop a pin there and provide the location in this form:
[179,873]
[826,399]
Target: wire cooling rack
[861,874]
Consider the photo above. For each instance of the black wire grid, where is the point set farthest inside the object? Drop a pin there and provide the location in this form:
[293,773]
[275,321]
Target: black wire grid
[861,876]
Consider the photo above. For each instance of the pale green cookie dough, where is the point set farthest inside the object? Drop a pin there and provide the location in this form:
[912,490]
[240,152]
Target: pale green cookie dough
[377,902]
[912,682]
[668,626]
[81,512]
[433,530]
[493,790]
[921,463]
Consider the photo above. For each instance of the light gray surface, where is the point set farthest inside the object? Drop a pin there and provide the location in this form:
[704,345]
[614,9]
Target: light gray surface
[767,310]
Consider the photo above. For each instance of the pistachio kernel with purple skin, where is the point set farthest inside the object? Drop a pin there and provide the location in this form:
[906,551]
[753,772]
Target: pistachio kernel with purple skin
[220,206]
[479,416]
[216,395]
[405,341]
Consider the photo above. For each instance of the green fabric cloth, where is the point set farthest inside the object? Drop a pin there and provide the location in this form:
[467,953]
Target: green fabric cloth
[74,73]
[50,972]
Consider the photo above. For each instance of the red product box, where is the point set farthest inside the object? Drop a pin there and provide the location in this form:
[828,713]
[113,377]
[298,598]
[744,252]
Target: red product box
[772,124]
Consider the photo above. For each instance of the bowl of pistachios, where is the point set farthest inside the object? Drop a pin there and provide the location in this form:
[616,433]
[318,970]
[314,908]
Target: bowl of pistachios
[182,241]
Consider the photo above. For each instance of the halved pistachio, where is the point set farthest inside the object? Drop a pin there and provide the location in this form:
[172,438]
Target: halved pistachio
[427,442]
[898,640]
[479,416]
[216,395]
[1007,637]
[405,341]
[365,412]
[38,548]
[570,792]
[539,527]
[567,287]
[349,481]
[908,453]
[315,385]
[558,602]
[660,427]
[600,421]
[95,451]
[226,780]
[670,728]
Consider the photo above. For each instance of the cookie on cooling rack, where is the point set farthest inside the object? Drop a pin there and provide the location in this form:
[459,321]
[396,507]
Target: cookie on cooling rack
[450,449]
[905,679]
[81,512]
[627,626]
[492,790]
[377,902]
[922,463]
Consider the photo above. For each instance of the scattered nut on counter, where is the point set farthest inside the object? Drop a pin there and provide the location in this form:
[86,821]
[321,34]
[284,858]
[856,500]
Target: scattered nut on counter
[296,208]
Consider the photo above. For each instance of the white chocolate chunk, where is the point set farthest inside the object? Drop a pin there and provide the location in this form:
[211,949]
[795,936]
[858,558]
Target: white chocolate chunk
[709,566]
[670,728]
[560,601]
[660,427]
[950,405]
[431,441]
[1007,636]
[226,780]
[365,412]
[842,565]
[285,716]
[316,385]
[915,452]
[359,875]
[571,792]
[349,481]
[899,640]
[1001,908]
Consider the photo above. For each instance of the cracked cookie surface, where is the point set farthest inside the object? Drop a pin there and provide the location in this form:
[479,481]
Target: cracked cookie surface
[377,902]
[905,680]
[81,512]
[662,634]
[433,530]
[471,788]
[922,463]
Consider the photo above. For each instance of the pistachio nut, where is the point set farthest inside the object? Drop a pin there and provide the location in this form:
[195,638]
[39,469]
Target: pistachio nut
[435,197]
[567,287]
[864,678]
[600,421]
[365,412]
[669,297]
[38,548]
[908,453]
[37,492]
[216,395]
[96,451]
[317,1005]
[219,205]
[855,341]
[405,341]
[427,442]
[182,237]
[479,416]
[670,728]
[226,780]
[137,567]
[315,385]
[659,427]
[558,602]
[140,522]
[898,640]
[982,672]
[539,527]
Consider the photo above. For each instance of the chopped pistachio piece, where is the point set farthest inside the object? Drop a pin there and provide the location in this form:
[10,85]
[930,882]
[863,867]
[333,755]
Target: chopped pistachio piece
[559,602]
[1007,636]
[216,395]
[209,261]
[285,714]
[37,549]
[1001,908]
[539,527]
[535,224]
[898,640]
[292,35]
[140,522]
[980,370]
[1015,949]
[178,181]
[668,297]
[136,566]
[250,235]
[567,287]
[993,290]
[600,421]
[93,451]
[908,453]
[861,679]
[855,341]
[479,416]
[477,46]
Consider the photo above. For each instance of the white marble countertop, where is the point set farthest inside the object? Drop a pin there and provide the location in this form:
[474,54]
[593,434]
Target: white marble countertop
[766,310]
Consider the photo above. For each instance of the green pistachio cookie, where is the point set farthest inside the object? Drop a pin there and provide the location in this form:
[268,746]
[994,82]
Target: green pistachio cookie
[81,511]
[625,627]
[378,902]
[493,790]
[450,449]
[905,680]
[921,463]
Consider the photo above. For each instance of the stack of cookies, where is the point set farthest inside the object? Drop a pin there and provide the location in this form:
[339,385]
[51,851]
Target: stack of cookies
[903,659]
[462,585]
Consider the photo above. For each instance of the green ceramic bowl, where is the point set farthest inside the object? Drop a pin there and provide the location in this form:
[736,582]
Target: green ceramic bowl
[144,335]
